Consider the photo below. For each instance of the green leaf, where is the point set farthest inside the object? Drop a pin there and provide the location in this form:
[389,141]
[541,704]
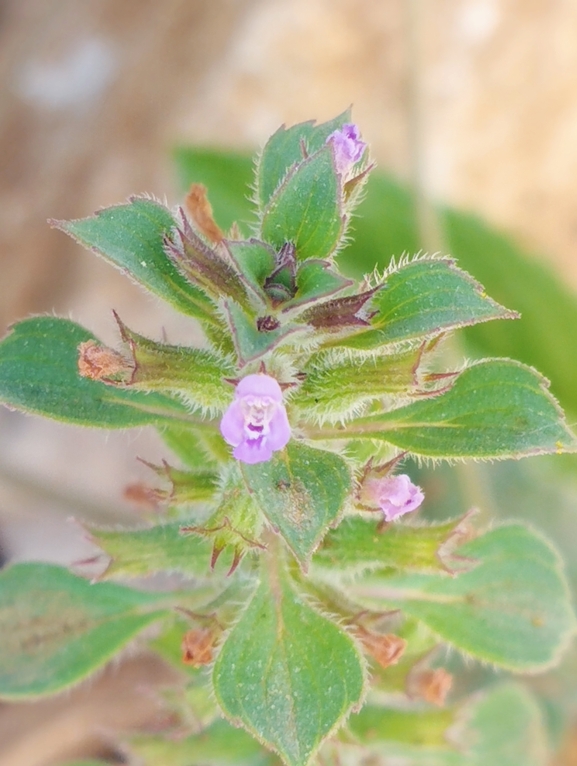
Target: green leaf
[301,492]
[251,343]
[358,544]
[506,729]
[425,728]
[315,279]
[386,224]
[254,259]
[287,674]
[227,176]
[547,305]
[131,237]
[39,374]
[496,408]
[219,745]
[57,628]
[335,387]
[197,374]
[189,446]
[87,763]
[512,609]
[423,298]
[306,209]
[141,552]
[284,150]
[503,727]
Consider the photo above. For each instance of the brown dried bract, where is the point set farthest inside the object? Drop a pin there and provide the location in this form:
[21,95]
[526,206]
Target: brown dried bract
[99,362]
[142,494]
[385,648]
[432,685]
[197,647]
[200,211]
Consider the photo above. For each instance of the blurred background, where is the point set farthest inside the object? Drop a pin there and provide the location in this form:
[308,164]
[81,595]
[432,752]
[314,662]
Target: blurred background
[474,101]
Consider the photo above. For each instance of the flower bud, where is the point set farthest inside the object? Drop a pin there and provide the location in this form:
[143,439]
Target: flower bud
[347,147]
[395,495]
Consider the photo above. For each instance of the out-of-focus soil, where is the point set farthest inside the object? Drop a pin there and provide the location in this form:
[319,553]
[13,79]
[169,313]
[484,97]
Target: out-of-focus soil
[93,95]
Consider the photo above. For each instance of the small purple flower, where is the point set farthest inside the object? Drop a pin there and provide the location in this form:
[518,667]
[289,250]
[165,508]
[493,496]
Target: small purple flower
[347,147]
[396,495]
[256,423]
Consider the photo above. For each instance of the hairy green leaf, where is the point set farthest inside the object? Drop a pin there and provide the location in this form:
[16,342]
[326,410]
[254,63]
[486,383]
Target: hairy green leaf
[141,552]
[358,544]
[512,608]
[287,148]
[39,374]
[287,674]
[301,492]
[386,225]
[132,237]
[335,387]
[315,279]
[197,374]
[423,298]
[57,628]
[496,408]
[254,259]
[306,209]
[250,342]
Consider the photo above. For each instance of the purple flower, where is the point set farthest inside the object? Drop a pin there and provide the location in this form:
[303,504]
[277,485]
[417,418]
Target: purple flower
[256,423]
[396,495]
[347,147]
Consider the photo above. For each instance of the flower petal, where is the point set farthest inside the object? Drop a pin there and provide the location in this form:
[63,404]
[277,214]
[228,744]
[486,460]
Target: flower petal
[232,424]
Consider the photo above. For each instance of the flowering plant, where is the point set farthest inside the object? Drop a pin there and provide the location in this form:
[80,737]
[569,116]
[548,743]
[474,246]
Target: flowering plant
[313,603]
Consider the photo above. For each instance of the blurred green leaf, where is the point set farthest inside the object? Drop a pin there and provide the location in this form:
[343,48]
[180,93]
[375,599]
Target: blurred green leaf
[301,492]
[513,608]
[57,628]
[496,408]
[544,336]
[227,176]
[502,727]
[286,673]
[131,237]
[218,745]
[86,763]
[39,374]
[425,728]
[509,728]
